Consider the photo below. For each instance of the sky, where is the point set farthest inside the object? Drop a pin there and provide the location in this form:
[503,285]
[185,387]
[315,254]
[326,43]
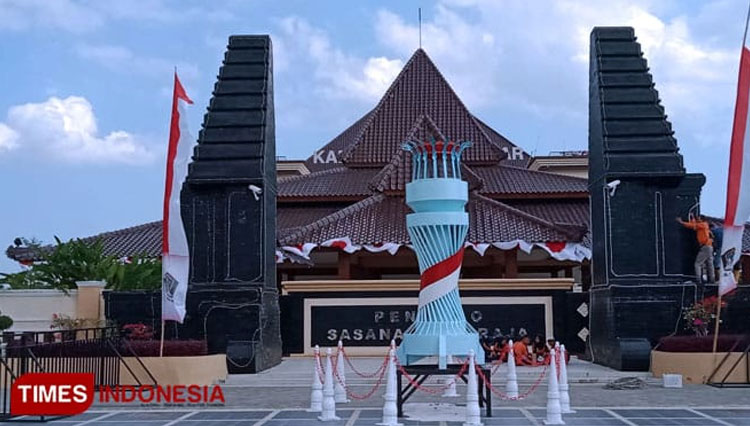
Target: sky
[86,85]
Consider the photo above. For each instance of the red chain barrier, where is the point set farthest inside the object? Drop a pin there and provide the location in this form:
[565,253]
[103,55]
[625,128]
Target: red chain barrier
[383,368]
[504,396]
[357,372]
[319,367]
[496,367]
[557,364]
[432,391]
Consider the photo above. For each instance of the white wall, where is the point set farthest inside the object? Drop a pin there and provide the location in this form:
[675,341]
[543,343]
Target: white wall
[31,310]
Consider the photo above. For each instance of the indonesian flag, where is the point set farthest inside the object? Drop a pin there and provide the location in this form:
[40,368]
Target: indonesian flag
[175,255]
[738,182]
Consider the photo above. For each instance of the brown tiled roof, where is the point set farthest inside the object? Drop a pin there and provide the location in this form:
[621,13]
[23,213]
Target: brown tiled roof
[574,211]
[420,89]
[394,176]
[561,212]
[329,183]
[504,143]
[338,145]
[289,217]
[493,221]
[136,240]
[382,218]
[297,214]
[376,219]
[511,181]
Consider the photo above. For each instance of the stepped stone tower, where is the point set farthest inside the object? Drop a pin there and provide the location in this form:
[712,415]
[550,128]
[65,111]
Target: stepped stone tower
[642,259]
[229,210]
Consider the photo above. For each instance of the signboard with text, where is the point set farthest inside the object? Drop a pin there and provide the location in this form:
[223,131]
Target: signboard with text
[376,325]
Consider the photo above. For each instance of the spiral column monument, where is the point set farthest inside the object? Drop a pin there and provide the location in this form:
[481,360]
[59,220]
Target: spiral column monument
[438,229]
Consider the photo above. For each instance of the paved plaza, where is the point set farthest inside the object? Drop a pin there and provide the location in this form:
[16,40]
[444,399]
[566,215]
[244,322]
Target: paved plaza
[279,397]
[356,417]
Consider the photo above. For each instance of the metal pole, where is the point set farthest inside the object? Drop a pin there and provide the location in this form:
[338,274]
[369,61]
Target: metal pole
[161,344]
[716,326]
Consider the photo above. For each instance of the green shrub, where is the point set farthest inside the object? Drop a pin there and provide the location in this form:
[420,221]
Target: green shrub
[6,322]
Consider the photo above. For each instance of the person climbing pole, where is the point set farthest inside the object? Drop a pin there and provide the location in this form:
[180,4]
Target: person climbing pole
[705,256]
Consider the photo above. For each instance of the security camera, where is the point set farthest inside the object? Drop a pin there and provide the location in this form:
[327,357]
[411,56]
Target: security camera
[256,191]
[613,187]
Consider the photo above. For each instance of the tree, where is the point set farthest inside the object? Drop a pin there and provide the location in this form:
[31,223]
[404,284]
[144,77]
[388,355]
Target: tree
[79,260]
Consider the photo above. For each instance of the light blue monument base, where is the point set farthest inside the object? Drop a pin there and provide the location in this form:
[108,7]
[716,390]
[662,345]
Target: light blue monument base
[416,347]
[437,230]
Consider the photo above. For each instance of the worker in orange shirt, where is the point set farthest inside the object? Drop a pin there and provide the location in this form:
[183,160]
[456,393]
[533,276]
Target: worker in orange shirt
[521,352]
[704,259]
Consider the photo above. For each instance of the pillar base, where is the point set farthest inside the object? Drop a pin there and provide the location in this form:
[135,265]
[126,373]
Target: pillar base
[415,347]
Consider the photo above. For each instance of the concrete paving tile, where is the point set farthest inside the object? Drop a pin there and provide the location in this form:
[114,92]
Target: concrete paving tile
[651,413]
[737,421]
[224,422]
[301,414]
[83,417]
[664,421]
[233,415]
[371,414]
[299,422]
[146,415]
[592,421]
[580,413]
[495,421]
[128,423]
[726,412]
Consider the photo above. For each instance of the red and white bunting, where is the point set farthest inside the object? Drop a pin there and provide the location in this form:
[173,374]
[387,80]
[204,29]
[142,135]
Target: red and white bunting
[558,250]
[175,254]
[391,248]
[344,244]
[478,247]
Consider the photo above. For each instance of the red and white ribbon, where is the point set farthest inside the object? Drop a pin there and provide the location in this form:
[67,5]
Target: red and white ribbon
[440,279]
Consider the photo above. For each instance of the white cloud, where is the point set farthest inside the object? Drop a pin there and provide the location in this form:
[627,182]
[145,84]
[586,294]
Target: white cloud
[65,15]
[122,60]
[8,138]
[337,74]
[81,16]
[517,54]
[65,129]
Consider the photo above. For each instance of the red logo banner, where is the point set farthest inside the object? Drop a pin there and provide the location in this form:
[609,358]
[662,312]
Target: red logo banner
[52,394]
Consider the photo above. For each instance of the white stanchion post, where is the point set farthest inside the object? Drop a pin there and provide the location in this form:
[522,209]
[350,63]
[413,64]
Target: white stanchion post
[472,395]
[390,410]
[554,416]
[564,388]
[316,396]
[511,387]
[450,391]
[339,390]
[329,403]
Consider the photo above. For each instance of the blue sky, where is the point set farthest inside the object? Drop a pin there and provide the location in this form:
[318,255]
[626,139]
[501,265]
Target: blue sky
[86,85]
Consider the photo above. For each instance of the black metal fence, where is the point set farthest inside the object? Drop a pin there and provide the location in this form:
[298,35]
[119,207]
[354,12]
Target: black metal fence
[89,350]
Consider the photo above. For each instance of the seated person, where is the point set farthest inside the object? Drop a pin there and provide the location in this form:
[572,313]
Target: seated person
[504,349]
[490,348]
[551,344]
[521,352]
[541,352]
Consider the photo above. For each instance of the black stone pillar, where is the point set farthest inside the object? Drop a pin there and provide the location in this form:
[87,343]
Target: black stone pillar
[642,271]
[229,210]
